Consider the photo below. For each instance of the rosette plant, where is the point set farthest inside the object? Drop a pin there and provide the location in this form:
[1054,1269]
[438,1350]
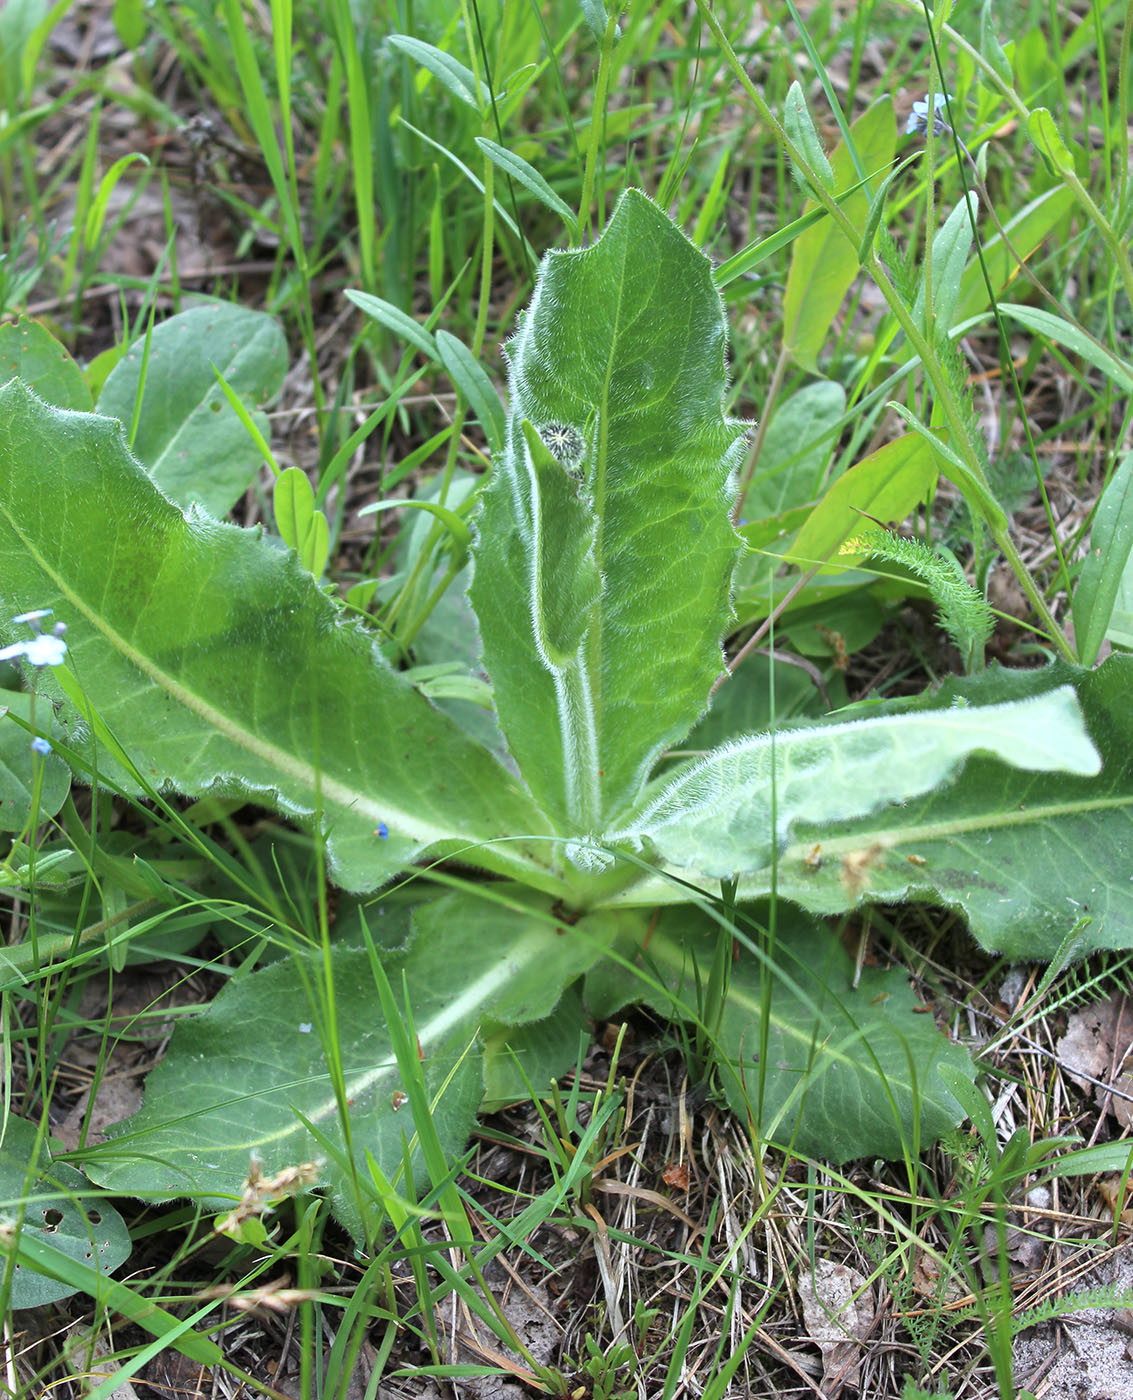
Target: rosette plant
[515,878]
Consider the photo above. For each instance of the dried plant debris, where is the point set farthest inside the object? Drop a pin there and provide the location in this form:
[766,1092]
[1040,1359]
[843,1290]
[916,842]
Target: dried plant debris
[839,1312]
[1086,1354]
[1097,1049]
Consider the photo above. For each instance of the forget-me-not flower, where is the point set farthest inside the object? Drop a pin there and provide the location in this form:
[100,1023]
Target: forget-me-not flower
[42,648]
[41,745]
[918,117]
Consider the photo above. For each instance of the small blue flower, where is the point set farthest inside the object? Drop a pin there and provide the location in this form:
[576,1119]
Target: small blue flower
[918,117]
[41,745]
[44,648]
[382,831]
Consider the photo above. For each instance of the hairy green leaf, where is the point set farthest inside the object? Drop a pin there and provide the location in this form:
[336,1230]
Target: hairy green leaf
[837,1072]
[1025,857]
[602,564]
[449,72]
[949,255]
[799,125]
[729,811]
[220,665]
[1048,141]
[526,174]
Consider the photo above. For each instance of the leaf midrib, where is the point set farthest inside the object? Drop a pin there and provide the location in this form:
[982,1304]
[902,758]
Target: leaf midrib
[302,772]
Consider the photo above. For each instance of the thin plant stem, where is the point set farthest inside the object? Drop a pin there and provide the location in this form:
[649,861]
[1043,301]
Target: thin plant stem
[942,390]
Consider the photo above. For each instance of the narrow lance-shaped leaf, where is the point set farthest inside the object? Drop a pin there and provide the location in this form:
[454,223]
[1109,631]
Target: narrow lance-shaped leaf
[1111,547]
[824,262]
[949,254]
[220,666]
[1027,858]
[603,562]
[725,813]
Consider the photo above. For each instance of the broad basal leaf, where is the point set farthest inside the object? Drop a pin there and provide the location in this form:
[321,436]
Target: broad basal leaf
[220,666]
[189,438]
[838,1072]
[605,553]
[727,813]
[236,1080]
[1027,857]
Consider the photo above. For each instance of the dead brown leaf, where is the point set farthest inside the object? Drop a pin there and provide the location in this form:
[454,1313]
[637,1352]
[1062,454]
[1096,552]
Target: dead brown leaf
[1096,1049]
[838,1316]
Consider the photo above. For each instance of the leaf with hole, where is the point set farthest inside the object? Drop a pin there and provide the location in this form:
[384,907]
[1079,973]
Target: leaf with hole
[58,1209]
[30,351]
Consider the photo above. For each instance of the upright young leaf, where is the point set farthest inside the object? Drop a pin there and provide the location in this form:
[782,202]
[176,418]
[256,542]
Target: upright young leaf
[801,129]
[1111,547]
[949,254]
[604,553]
